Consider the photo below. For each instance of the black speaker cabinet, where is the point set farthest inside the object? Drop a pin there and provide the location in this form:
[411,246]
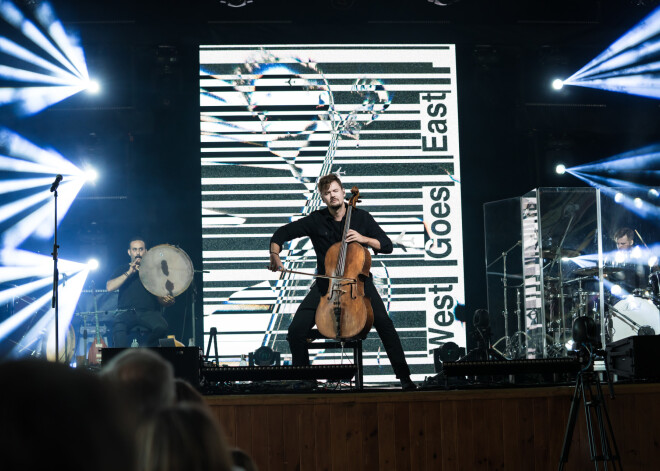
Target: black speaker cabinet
[635,357]
[187,361]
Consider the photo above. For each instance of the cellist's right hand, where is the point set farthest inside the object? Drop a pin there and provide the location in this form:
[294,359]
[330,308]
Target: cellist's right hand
[275,262]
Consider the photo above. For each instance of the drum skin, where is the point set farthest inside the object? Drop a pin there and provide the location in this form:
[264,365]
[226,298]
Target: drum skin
[639,310]
[166,270]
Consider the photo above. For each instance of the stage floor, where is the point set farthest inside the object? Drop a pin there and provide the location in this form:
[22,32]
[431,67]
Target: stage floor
[512,428]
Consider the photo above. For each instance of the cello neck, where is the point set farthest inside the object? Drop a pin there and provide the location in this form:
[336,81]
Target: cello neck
[342,253]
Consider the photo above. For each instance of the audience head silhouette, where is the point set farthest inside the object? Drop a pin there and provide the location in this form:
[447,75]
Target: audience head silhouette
[55,417]
[184,437]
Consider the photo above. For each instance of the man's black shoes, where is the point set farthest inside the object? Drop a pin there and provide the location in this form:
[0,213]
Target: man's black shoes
[407,384]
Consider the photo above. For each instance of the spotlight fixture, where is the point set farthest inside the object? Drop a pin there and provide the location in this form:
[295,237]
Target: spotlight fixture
[481,319]
[618,197]
[93,86]
[92,264]
[91,175]
[557,84]
[264,356]
[560,169]
[638,202]
[450,351]
[616,290]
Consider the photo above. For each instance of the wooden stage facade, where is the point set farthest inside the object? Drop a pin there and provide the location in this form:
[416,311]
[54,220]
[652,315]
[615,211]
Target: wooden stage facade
[494,429]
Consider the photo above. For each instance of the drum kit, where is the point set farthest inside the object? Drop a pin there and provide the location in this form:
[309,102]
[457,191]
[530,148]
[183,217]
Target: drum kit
[568,296]
[625,315]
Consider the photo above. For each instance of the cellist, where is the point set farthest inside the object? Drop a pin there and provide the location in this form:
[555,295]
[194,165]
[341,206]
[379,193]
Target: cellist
[324,227]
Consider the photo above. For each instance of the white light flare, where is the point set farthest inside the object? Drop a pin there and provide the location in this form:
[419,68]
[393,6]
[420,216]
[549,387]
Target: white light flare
[92,264]
[91,175]
[93,87]
[557,84]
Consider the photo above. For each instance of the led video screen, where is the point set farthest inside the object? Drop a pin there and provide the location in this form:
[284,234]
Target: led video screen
[273,119]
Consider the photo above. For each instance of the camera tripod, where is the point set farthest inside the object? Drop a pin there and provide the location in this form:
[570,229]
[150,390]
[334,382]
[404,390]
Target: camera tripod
[589,391]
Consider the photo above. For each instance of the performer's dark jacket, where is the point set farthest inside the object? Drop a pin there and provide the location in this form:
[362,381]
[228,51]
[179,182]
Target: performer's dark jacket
[324,231]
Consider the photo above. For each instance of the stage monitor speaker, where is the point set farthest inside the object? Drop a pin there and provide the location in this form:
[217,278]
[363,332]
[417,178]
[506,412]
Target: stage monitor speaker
[186,361]
[635,357]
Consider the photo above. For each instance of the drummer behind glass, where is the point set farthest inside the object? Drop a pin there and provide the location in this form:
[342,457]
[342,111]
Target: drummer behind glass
[136,306]
[627,256]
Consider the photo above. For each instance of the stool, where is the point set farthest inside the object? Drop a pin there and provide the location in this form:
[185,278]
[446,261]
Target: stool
[316,343]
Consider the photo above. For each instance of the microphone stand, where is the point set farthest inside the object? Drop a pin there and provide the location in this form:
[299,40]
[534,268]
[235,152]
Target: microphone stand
[505,312]
[56,274]
[193,299]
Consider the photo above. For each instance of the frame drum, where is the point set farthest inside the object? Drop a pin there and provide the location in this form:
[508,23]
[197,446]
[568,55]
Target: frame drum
[166,270]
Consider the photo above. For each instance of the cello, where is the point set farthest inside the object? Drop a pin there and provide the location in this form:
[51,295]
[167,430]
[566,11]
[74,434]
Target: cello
[344,312]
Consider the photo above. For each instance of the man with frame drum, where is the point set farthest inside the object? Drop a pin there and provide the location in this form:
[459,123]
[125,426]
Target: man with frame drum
[136,306]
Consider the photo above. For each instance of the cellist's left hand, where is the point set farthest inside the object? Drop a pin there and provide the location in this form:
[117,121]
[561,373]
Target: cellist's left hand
[355,236]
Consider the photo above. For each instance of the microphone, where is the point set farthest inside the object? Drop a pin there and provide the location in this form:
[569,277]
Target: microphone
[56,183]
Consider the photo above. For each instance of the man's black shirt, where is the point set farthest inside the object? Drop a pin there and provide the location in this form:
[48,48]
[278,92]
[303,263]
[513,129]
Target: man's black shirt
[133,294]
[324,231]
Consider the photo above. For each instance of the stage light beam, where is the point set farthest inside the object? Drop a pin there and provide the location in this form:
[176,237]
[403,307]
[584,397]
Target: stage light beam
[61,61]
[629,65]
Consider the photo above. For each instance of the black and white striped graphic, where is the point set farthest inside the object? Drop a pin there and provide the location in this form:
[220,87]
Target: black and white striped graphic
[384,118]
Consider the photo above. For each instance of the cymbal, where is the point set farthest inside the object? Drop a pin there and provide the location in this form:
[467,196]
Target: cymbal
[578,279]
[552,253]
[166,270]
[593,271]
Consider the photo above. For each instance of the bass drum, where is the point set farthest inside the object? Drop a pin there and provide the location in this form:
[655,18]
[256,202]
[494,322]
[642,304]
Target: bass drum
[634,316]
